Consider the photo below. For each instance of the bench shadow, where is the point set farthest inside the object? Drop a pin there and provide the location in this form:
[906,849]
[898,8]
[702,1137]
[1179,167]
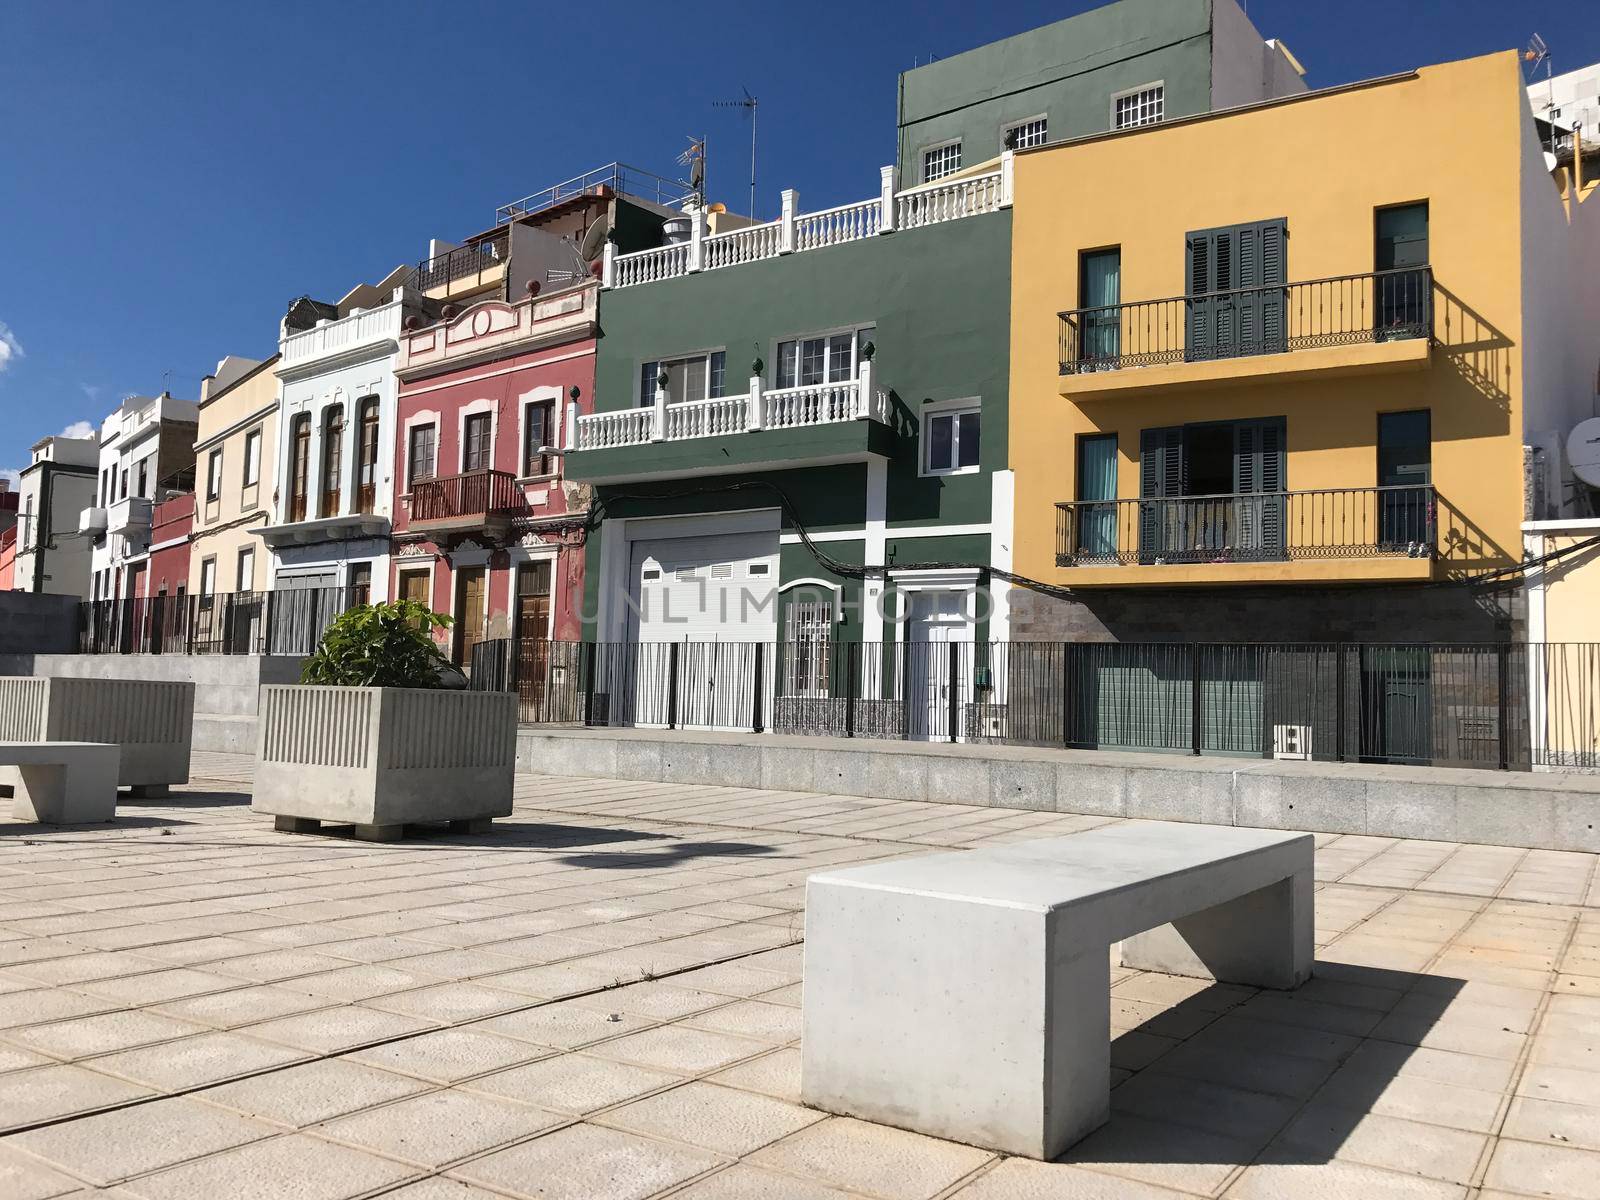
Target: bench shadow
[12,827]
[1234,1075]
[667,856]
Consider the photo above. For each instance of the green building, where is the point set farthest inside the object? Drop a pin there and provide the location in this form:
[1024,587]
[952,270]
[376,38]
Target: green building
[1124,64]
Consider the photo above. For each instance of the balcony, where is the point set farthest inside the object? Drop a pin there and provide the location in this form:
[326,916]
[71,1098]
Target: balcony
[764,428]
[1344,325]
[473,501]
[1377,532]
[347,335]
[796,232]
[466,268]
[130,518]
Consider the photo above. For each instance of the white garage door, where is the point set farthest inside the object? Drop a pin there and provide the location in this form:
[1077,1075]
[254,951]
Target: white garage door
[715,588]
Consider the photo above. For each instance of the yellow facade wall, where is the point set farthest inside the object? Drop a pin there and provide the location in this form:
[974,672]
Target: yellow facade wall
[221,526]
[1451,135]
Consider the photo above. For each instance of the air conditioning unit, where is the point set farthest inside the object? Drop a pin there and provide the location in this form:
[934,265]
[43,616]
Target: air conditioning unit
[92,522]
[1291,741]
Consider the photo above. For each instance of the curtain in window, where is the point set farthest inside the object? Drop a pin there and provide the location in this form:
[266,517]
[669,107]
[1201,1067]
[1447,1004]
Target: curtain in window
[1097,482]
[1102,291]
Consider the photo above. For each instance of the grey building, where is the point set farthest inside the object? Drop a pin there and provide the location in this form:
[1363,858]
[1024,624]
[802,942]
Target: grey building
[1125,64]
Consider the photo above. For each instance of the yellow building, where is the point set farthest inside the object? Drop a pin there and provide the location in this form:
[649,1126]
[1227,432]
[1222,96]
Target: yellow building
[233,487]
[1269,364]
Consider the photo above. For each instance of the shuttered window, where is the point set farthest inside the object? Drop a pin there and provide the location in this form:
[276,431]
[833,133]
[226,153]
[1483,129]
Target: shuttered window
[476,443]
[1182,470]
[1236,302]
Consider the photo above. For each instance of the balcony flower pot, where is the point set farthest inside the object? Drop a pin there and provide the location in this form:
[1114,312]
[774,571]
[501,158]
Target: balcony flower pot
[382,758]
[152,720]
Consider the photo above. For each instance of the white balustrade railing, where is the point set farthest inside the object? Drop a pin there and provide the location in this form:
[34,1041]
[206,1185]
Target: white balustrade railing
[947,200]
[705,418]
[793,232]
[608,430]
[373,325]
[846,223]
[812,404]
[750,244]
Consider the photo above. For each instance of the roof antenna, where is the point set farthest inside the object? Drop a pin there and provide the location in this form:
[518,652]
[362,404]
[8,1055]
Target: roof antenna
[1538,52]
[749,104]
[695,159]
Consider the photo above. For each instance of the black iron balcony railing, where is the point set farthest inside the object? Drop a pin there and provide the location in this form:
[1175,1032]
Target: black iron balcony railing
[473,259]
[1378,522]
[1345,310]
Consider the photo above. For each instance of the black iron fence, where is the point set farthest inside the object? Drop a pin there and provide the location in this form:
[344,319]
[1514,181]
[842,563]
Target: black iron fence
[1342,310]
[471,260]
[289,621]
[1376,522]
[1508,706]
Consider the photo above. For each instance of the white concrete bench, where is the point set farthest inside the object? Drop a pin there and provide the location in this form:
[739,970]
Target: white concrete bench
[63,783]
[967,995]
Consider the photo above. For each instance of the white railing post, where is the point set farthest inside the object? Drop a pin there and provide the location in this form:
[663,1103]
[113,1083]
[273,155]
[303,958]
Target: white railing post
[791,201]
[658,418]
[1008,173]
[608,266]
[572,424]
[697,240]
[864,390]
[752,406]
[886,190]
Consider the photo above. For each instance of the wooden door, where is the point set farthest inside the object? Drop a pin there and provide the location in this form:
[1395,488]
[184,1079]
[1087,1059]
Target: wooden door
[472,612]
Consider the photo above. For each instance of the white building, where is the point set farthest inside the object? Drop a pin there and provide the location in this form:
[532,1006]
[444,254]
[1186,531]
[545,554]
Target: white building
[146,457]
[54,487]
[1570,101]
[333,495]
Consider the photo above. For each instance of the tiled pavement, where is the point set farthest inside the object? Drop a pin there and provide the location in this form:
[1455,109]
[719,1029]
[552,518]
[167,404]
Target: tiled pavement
[601,1000]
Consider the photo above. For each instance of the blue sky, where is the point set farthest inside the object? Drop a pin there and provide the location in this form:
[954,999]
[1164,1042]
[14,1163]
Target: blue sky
[172,174]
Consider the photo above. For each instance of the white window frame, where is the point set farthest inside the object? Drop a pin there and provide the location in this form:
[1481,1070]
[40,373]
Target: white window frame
[1010,125]
[934,148]
[542,394]
[208,577]
[1134,91]
[252,470]
[639,399]
[244,552]
[416,420]
[414,564]
[476,408]
[214,465]
[775,357]
[947,408]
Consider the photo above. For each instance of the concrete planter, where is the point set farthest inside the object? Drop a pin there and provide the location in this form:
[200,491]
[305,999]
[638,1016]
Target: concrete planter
[384,758]
[153,722]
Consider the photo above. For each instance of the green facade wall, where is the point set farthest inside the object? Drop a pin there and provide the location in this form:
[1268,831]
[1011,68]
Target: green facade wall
[1068,71]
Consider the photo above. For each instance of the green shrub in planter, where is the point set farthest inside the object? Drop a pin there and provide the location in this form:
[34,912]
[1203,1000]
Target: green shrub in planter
[382,645]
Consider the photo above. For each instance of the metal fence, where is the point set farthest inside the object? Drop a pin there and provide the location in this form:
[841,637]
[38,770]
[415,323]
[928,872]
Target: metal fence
[1504,706]
[289,621]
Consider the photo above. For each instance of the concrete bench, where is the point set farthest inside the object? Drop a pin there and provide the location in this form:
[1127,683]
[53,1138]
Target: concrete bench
[967,995]
[63,783]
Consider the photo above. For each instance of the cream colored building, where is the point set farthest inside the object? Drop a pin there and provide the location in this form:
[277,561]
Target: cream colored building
[233,483]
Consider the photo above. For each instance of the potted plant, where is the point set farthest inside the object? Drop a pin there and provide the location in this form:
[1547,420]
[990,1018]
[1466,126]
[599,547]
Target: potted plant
[380,735]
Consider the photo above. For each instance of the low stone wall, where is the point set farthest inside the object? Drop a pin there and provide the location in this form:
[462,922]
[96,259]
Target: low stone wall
[226,686]
[1542,810]
[34,623]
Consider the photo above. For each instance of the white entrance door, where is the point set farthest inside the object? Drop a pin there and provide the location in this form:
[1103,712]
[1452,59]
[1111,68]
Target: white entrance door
[715,595]
[936,621]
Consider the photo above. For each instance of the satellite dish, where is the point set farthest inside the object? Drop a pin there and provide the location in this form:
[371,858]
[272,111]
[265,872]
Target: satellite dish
[1583,451]
[594,238]
[1549,161]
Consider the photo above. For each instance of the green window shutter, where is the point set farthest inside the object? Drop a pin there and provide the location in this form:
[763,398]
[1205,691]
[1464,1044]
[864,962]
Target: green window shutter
[1160,476]
[1201,317]
[1259,480]
[1225,270]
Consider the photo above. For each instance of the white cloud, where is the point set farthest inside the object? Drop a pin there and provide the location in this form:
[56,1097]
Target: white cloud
[10,348]
[92,391]
[78,429]
[13,475]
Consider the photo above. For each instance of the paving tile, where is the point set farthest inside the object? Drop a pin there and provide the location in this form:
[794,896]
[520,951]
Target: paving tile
[440,1188]
[776,1074]
[1337,1181]
[35,1006]
[740,1182]
[857,1155]
[195,1061]
[108,1147]
[567,1024]
[717,1118]
[1552,1170]
[23,1178]
[586,1162]
[572,1083]
[441,1127]
[243,1006]
[448,1055]
[297,1166]
[332,1030]
[46,1093]
[449,1003]
[312,1092]
[776,1023]
[1023,1179]
[82,1036]
[1326,1131]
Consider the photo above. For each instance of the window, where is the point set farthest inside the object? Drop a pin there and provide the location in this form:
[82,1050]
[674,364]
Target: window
[950,438]
[245,576]
[124,493]
[332,457]
[414,587]
[213,476]
[1236,306]
[1019,135]
[1405,469]
[1400,255]
[808,622]
[1095,532]
[144,478]
[477,442]
[252,458]
[208,581]
[692,377]
[1142,106]
[1100,294]
[830,358]
[367,456]
[419,455]
[299,466]
[538,431]
[939,161]
[360,584]
[1222,488]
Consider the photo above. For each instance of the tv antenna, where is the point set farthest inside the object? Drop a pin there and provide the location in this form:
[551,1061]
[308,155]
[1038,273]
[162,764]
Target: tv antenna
[1536,52]
[749,103]
[695,159]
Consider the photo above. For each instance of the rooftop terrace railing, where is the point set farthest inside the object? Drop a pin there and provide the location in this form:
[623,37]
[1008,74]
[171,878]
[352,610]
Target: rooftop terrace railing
[618,177]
